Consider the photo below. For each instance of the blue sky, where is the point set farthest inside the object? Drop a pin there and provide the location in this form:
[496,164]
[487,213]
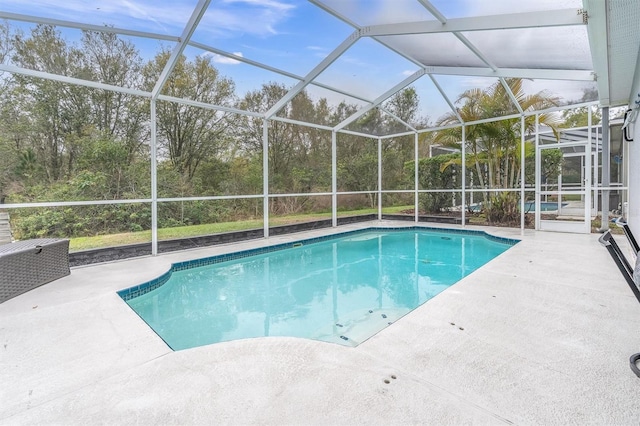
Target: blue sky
[294,35]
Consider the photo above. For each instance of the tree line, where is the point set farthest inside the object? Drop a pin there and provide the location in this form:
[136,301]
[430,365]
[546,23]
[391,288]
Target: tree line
[66,142]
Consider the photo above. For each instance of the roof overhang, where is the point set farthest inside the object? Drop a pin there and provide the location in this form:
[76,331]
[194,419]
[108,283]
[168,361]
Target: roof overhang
[615,46]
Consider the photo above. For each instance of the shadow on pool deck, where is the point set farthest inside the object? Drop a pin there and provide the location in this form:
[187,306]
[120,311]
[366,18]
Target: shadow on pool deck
[540,335]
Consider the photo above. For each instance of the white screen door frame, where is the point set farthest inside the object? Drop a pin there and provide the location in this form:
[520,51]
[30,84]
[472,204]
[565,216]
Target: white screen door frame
[573,212]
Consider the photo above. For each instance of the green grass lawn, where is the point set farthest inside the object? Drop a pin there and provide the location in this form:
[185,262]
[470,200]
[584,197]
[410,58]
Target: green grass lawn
[111,240]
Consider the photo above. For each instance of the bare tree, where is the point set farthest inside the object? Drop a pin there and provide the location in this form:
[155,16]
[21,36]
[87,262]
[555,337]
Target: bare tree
[112,60]
[191,134]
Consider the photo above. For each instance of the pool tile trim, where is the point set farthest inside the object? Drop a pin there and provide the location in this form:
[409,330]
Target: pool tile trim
[146,287]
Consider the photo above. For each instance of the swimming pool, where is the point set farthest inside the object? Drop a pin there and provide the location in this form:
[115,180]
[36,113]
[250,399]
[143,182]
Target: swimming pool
[342,288]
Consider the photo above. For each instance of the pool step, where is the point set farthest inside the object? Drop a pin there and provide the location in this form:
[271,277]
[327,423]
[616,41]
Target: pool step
[355,327]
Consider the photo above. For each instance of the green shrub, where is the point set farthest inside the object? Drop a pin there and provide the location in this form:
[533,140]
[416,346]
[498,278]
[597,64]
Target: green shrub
[433,175]
[504,208]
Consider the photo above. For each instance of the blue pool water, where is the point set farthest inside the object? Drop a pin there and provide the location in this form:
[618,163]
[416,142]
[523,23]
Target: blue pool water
[545,206]
[340,290]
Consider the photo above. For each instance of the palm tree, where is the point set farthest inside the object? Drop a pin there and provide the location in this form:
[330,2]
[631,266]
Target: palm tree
[496,144]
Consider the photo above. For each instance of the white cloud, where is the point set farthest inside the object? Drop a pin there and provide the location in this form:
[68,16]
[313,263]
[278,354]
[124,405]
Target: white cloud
[318,51]
[140,12]
[143,15]
[352,60]
[268,4]
[256,17]
[219,59]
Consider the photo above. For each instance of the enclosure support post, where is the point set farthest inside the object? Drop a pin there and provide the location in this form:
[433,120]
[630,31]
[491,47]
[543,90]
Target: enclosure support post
[334,180]
[463,204]
[154,181]
[522,175]
[596,181]
[379,178]
[416,198]
[538,175]
[606,171]
[559,200]
[265,177]
[587,176]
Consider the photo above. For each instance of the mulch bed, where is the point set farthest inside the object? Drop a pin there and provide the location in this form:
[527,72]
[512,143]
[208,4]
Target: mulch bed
[479,219]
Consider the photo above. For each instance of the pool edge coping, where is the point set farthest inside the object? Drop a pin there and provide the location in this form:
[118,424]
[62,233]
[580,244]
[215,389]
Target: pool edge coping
[148,286]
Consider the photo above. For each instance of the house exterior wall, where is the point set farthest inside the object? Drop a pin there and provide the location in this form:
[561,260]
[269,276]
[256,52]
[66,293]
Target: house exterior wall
[634,179]
[634,156]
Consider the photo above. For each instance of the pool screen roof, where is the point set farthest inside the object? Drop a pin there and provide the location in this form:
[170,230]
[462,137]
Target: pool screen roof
[364,51]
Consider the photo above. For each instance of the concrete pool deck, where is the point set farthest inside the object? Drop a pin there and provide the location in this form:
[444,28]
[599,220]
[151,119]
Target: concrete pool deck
[540,335]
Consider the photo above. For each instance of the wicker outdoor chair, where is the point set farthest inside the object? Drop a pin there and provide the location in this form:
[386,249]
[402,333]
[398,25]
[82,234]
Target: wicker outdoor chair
[25,265]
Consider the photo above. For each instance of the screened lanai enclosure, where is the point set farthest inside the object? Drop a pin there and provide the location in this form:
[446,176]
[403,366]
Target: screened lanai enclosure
[141,122]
